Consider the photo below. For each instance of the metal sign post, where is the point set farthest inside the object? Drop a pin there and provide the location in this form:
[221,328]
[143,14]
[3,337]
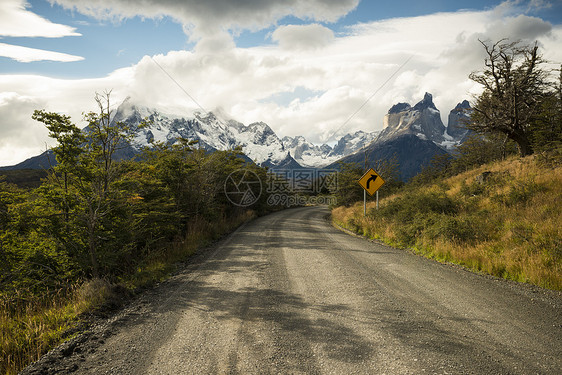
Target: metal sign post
[371,183]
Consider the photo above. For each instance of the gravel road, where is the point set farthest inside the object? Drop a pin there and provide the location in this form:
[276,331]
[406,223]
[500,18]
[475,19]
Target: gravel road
[289,294]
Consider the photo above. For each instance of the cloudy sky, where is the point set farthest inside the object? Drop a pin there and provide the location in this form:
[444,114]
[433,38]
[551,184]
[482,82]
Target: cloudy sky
[303,67]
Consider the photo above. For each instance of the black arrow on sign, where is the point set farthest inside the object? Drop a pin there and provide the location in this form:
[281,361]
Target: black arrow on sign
[372,178]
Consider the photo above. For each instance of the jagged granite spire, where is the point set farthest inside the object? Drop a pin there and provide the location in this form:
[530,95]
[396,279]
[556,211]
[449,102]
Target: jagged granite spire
[399,107]
[458,118]
[422,120]
[426,102]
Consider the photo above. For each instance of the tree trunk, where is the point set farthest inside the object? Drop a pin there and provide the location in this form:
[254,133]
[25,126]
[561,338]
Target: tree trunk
[94,260]
[523,143]
[92,248]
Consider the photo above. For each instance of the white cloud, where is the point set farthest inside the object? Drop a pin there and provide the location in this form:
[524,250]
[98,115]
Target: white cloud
[521,27]
[25,54]
[303,36]
[19,137]
[203,18]
[341,75]
[16,20]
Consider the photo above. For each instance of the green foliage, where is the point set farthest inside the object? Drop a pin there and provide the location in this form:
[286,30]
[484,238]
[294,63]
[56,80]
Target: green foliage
[507,224]
[547,127]
[96,217]
[416,211]
[519,193]
[349,191]
[419,201]
[475,151]
[478,150]
[24,178]
[468,229]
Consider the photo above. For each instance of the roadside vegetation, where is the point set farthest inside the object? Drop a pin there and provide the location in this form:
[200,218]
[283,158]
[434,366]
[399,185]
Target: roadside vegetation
[495,205]
[97,229]
[506,224]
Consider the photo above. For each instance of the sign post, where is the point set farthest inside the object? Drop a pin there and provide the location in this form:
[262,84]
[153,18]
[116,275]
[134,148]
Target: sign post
[371,182]
[364,202]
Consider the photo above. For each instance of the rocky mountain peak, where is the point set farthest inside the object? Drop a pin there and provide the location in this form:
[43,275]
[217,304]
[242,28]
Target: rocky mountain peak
[426,102]
[423,120]
[400,107]
[462,106]
[261,127]
[458,118]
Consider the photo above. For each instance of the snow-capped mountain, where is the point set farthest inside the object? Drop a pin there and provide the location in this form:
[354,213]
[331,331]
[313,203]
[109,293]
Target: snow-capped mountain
[424,121]
[411,135]
[258,141]
[414,135]
[458,118]
[350,143]
[311,155]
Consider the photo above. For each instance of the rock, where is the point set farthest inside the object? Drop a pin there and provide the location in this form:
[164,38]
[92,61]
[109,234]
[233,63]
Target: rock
[483,177]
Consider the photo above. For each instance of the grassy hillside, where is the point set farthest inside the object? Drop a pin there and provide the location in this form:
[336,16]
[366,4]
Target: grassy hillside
[508,225]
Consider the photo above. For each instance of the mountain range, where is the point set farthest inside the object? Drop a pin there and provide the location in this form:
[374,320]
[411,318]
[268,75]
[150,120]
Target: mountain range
[411,134]
[414,135]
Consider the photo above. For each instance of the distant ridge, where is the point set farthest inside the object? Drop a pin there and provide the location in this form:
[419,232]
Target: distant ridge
[415,135]
[412,134]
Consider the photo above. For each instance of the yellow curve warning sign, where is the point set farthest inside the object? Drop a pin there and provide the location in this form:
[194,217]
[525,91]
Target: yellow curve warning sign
[371,181]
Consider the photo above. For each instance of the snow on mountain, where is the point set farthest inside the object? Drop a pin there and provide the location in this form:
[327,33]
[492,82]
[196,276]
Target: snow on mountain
[258,141]
[458,118]
[414,135]
[424,121]
[350,143]
[311,155]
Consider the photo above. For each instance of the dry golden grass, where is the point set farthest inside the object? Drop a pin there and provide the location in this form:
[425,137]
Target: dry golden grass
[28,330]
[517,215]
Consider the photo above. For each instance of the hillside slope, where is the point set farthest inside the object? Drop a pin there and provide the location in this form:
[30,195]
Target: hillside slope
[502,218]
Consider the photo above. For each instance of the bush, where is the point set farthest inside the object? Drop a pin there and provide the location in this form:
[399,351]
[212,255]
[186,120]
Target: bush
[464,229]
[405,208]
[519,193]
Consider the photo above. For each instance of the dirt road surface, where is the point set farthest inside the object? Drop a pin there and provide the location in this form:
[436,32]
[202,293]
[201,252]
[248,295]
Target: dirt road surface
[289,294]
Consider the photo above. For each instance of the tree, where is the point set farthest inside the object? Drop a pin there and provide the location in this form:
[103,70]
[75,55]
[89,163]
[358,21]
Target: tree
[514,86]
[349,191]
[70,139]
[88,195]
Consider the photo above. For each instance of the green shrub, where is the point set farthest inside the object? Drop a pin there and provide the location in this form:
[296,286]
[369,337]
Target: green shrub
[405,208]
[521,192]
[461,229]
[472,189]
